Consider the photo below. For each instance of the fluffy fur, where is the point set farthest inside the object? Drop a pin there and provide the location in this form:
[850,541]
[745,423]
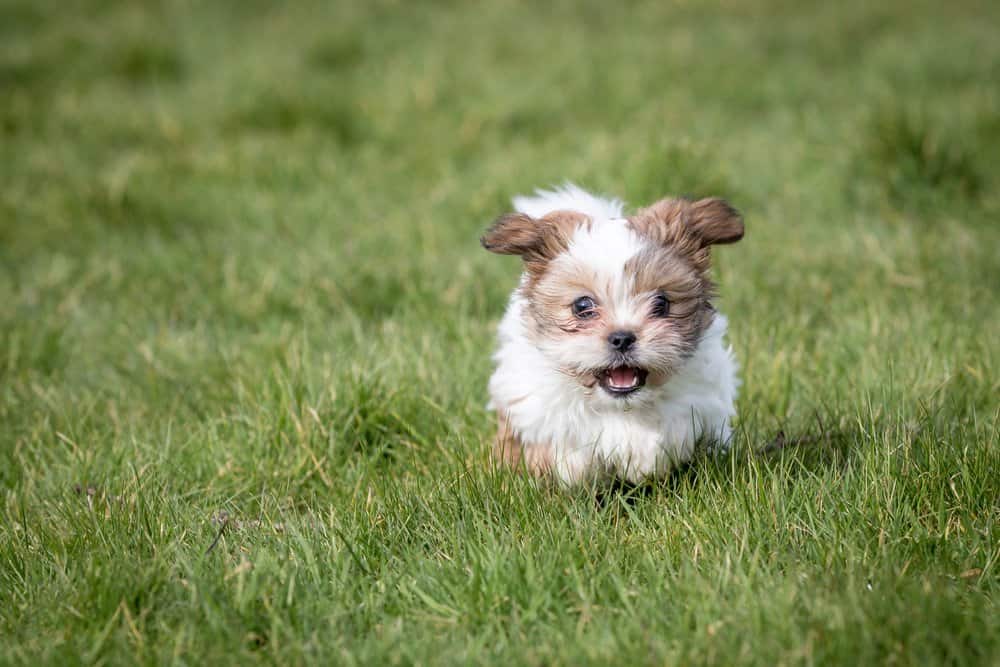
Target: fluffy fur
[559,413]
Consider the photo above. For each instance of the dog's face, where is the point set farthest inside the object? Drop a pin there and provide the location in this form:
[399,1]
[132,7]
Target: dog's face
[618,304]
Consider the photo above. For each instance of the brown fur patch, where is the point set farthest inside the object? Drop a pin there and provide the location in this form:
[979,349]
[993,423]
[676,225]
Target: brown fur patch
[690,227]
[688,291]
[550,300]
[662,269]
[508,449]
[537,241]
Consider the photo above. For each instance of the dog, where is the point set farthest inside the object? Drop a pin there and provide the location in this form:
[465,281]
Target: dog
[611,362]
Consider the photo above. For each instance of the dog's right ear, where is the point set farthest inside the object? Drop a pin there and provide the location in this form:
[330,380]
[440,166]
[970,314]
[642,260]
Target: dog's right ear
[536,240]
[512,234]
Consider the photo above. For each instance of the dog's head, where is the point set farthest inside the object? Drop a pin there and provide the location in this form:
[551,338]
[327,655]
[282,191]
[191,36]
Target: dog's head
[618,303]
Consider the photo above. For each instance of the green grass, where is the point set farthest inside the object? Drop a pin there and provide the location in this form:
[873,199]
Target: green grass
[245,326]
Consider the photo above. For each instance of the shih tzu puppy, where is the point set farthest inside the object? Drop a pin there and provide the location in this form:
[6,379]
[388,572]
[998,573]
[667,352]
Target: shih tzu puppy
[611,361]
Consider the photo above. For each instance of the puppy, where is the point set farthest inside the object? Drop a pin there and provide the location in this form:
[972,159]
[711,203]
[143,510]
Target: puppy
[611,361]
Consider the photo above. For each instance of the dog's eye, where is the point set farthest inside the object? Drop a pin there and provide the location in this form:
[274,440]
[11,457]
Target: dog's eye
[585,308]
[661,305]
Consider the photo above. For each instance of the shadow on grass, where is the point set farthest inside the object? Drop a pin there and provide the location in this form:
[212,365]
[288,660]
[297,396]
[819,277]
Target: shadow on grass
[804,453]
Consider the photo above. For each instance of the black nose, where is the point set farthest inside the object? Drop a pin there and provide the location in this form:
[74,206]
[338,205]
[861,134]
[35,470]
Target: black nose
[621,340]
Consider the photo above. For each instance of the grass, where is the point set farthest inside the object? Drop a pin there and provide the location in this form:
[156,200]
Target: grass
[245,328]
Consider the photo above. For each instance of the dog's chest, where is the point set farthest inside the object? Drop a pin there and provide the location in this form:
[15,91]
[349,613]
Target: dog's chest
[625,439]
[629,443]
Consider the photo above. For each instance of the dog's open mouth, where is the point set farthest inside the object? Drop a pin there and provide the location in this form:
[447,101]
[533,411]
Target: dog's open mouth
[622,380]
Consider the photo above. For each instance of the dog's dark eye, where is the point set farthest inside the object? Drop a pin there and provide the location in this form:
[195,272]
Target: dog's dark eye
[584,308]
[661,305]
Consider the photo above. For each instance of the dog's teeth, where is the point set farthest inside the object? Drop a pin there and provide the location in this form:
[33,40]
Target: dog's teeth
[623,378]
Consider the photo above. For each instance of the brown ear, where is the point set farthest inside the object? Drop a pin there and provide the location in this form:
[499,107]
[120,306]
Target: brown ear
[535,240]
[691,225]
[512,234]
[714,221]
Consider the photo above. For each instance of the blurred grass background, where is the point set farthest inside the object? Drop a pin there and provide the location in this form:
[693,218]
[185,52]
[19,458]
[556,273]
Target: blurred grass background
[242,303]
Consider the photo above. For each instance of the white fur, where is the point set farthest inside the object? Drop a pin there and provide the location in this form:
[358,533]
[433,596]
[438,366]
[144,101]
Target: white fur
[568,197]
[593,434]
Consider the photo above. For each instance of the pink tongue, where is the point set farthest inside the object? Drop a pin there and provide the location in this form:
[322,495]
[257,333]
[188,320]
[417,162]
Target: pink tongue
[622,377]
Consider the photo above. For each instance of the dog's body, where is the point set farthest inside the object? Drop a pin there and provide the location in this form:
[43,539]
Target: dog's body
[605,304]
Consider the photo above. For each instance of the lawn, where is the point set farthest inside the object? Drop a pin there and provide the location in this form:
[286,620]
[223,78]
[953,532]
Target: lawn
[245,327]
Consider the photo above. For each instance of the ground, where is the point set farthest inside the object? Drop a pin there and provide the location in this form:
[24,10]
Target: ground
[245,326]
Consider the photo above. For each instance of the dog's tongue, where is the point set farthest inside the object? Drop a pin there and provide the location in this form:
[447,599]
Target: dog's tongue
[622,377]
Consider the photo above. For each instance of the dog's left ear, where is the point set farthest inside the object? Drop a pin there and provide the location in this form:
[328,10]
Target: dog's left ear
[714,221]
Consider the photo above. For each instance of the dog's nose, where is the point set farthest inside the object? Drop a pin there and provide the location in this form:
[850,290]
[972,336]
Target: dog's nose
[621,340]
